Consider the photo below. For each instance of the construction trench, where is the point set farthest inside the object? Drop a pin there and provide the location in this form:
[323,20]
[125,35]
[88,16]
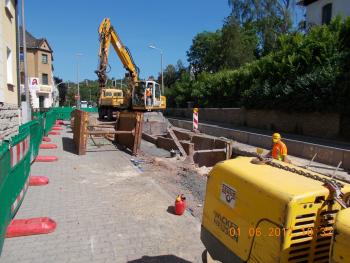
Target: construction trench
[191,146]
[185,156]
[128,129]
[184,146]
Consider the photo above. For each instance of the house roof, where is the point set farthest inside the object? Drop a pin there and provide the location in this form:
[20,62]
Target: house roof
[32,42]
[306,2]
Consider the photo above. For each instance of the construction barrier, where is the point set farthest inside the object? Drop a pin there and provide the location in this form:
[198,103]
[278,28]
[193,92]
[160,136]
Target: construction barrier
[50,120]
[64,113]
[14,171]
[36,132]
[16,156]
[195,119]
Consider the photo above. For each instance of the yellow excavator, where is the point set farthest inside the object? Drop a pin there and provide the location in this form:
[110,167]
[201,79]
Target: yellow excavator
[263,210]
[141,95]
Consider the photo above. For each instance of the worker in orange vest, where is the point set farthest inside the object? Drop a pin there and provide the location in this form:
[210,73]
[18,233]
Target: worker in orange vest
[279,149]
[149,95]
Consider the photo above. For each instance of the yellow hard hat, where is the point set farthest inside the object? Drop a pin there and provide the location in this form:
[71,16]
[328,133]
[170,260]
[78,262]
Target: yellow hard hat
[276,137]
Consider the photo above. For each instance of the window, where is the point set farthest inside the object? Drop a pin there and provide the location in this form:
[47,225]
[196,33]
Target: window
[326,14]
[44,58]
[9,67]
[8,9]
[44,79]
[157,91]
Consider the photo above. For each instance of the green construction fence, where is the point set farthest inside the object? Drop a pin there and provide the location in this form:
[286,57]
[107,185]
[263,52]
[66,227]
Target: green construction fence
[64,113]
[16,156]
[14,172]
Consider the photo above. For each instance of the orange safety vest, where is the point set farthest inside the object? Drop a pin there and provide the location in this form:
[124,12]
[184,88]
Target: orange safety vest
[148,92]
[279,151]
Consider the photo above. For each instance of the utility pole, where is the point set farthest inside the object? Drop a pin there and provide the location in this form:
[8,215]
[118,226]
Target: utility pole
[161,69]
[161,63]
[26,88]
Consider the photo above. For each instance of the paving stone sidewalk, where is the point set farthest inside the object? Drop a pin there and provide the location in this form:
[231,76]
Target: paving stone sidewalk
[106,210]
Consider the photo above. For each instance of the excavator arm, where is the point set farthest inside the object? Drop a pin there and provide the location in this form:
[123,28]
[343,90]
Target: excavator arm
[108,36]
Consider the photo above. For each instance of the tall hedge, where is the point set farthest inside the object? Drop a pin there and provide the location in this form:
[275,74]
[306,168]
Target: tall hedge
[307,72]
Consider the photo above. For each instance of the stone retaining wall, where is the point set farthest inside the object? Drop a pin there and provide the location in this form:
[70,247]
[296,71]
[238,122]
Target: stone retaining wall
[9,120]
[322,125]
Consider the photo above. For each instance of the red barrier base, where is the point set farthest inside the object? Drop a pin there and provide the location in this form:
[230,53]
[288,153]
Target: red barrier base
[46,159]
[57,128]
[59,122]
[54,133]
[31,226]
[38,180]
[46,139]
[48,146]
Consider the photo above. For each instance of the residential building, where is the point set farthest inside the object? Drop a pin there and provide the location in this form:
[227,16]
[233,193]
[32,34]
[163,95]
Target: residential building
[9,100]
[40,71]
[322,11]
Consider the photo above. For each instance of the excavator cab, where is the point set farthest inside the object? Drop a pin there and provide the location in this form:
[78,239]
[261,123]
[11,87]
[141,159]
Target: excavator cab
[147,96]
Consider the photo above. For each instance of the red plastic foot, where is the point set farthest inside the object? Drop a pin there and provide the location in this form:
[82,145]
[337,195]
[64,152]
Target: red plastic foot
[54,133]
[46,139]
[31,226]
[59,122]
[38,180]
[48,146]
[46,159]
[57,128]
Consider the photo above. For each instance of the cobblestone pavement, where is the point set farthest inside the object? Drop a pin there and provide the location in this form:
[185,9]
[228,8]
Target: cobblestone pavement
[106,210]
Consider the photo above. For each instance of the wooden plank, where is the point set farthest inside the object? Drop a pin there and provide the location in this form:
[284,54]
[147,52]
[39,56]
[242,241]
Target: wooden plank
[211,150]
[102,126]
[81,119]
[129,121]
[110,132]
[138,133]
[178,144]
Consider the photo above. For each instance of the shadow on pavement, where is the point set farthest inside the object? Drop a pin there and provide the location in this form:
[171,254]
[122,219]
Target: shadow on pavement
[122,148]
[160,259]
[107,121]
[68,145]
[171,209]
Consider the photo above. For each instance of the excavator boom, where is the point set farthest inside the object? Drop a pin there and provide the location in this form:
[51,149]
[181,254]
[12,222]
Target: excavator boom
[109,36]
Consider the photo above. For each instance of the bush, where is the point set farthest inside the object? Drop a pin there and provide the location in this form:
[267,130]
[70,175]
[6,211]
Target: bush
[306,73]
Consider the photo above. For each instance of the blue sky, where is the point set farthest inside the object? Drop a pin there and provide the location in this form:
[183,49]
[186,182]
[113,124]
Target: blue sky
[71,27]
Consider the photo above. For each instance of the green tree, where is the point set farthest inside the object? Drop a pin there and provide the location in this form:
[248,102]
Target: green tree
[205,52]
[269,18]
[62,90]
[238,45]
[169,75]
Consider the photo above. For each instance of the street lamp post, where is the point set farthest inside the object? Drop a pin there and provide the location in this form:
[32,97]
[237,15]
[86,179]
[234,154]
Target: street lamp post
[78,98]
[161,63]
